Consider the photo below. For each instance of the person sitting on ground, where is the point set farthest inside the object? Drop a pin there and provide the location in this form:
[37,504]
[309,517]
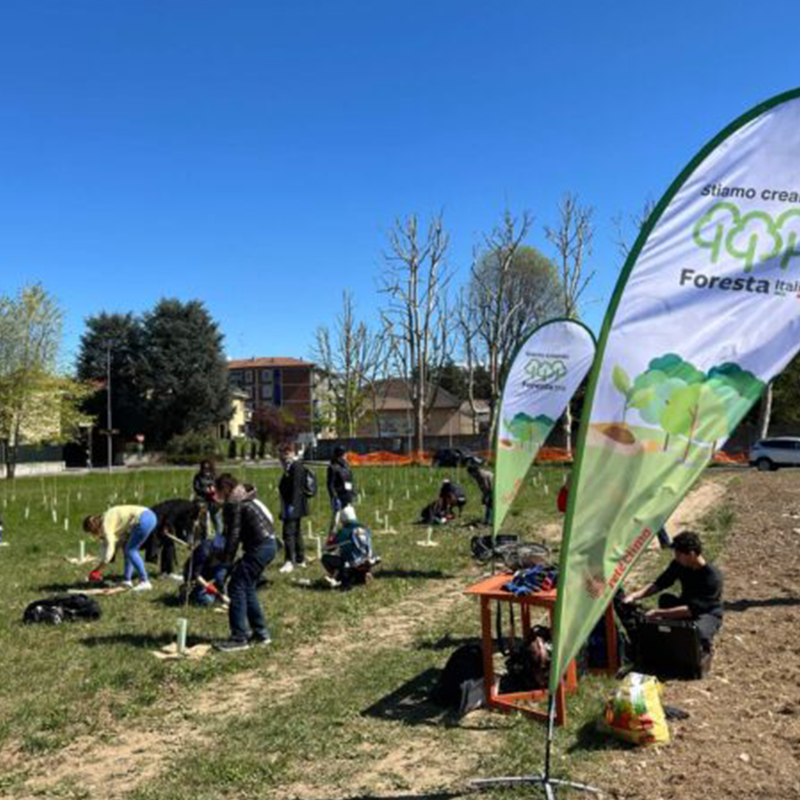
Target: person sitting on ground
[436,513]
[294,506]
[452,496]
[484,479]
[177,519]
[341,486]
[247,523]
[348,558]
[129,526]
[700,599]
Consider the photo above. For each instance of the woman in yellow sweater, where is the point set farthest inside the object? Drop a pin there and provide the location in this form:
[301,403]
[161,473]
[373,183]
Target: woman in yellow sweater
[129,526]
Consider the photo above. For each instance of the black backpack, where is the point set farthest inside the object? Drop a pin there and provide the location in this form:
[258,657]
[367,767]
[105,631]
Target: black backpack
[464,664]
[63,608]
[309,482]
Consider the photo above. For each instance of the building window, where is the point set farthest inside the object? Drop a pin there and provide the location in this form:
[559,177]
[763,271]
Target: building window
[248,376]
[235,377]
[266,392]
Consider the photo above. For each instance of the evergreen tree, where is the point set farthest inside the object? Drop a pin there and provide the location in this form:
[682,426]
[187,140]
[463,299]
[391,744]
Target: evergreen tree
[184,372]
[120,337]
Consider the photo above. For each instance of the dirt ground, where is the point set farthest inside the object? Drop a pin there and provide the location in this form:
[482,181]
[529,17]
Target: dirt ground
[742,739]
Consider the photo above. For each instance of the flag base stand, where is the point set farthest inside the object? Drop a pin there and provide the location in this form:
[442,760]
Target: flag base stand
[543,780]
[547,783]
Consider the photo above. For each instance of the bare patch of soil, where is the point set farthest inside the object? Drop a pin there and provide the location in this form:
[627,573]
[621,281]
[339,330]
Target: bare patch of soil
[743,736]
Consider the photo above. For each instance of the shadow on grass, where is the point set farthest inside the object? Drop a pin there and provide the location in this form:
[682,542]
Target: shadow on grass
[423,796]
[448,642]
[589,739]
[138,640]
[409,704]
[769,602]
[429,574]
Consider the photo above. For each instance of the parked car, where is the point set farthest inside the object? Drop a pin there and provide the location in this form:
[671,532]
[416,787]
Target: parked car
[454,457]
[783,451]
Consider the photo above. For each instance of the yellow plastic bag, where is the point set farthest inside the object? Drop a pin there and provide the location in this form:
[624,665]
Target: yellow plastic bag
[635,713]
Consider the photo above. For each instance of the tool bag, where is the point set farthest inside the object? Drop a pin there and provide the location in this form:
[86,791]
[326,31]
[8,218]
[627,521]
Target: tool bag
[63,608]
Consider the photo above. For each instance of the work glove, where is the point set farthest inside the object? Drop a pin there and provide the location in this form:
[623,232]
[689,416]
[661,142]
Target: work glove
[95,576]
[218,542]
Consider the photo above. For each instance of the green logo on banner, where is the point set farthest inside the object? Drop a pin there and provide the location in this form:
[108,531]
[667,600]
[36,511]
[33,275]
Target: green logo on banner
[546,370]
[753,237]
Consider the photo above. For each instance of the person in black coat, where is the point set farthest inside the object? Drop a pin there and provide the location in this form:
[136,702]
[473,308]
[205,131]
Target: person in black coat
[341,486]
[247,525]
[176,517]
[294,506]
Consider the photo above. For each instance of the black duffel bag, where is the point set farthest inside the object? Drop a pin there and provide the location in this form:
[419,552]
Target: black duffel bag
[63,608]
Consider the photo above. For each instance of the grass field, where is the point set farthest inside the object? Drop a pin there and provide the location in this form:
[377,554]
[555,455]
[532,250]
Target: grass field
[91,679]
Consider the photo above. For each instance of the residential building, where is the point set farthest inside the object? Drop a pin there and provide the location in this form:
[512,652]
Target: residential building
[286,383]
[391,414]
[237,425]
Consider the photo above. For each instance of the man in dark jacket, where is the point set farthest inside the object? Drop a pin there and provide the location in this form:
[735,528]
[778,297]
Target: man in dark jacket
[341,487]
[246,523]
[294,506]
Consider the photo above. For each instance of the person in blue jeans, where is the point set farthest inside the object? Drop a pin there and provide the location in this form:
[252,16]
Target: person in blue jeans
[247,523]
[130,527]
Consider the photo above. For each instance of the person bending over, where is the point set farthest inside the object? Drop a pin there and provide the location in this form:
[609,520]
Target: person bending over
[129,526]
[700,599]
[176,518]
[341,487]
[484,479]
[348,556]
[246,523]
[452,497]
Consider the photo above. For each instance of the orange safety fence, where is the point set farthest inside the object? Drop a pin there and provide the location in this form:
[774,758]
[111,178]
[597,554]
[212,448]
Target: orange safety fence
[552,455]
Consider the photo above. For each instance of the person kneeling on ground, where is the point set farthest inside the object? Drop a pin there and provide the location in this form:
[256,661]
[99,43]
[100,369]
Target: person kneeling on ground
[245,521]
[452,497]
[348,558]
[127,525]
[701,590]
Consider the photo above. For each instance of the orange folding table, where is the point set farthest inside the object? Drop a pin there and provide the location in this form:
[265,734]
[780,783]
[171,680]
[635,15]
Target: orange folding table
[491,589]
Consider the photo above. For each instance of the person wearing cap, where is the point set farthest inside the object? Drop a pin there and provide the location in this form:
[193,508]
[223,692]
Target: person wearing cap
[130,527]
[348,556]
[700,599]
[341,486]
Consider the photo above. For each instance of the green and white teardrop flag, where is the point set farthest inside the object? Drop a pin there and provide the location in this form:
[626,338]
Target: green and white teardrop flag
[705,313]
[544,375]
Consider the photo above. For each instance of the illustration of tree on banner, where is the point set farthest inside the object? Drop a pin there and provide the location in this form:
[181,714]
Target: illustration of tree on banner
[704,315]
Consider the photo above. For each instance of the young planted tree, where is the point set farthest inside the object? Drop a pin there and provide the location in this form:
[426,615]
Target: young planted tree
[416,281]
[572,239]
[352,357]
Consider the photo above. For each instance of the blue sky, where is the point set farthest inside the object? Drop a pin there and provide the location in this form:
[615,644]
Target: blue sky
[254,154]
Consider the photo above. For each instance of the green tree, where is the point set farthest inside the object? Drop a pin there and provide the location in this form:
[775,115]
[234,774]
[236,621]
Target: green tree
[37,404]
[120,338]
[184,373]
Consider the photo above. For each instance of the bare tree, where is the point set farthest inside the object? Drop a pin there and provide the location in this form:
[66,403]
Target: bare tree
[572,240]
[352,356]
[623,240]
[512,289]
[416,281]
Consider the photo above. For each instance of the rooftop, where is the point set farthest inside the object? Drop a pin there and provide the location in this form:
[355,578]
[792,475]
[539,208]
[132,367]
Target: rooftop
[256,363]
